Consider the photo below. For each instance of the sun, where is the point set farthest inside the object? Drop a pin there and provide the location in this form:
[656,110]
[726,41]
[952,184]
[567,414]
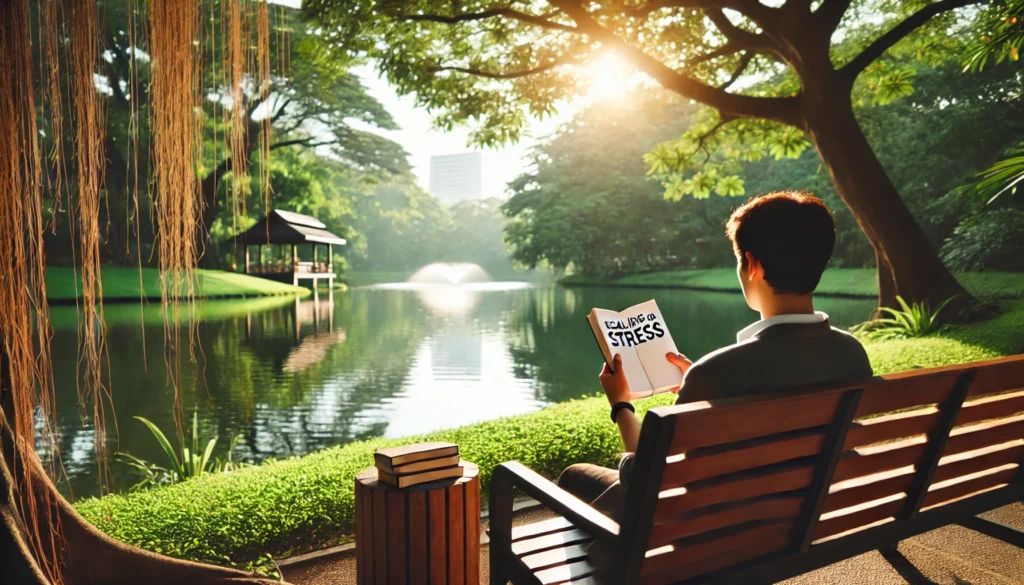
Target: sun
[607,75]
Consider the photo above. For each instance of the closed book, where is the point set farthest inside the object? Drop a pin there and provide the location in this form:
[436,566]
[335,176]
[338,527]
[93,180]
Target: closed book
[418,466]
[394,456]
[404,481]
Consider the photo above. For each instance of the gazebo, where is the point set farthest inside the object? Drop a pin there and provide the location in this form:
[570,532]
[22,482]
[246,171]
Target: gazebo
[289,230]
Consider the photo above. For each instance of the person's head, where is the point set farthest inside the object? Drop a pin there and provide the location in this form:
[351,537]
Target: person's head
[782,241]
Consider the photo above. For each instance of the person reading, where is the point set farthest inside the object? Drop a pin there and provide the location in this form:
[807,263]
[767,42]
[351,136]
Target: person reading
[783,242]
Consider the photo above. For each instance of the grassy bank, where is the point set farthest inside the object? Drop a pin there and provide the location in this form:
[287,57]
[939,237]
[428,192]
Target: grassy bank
[123,284]
[298,504]
[857,282]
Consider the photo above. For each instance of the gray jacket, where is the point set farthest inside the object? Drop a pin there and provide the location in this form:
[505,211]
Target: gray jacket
[776,358]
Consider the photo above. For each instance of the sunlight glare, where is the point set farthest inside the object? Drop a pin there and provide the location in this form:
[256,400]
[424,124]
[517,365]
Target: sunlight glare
[607,75]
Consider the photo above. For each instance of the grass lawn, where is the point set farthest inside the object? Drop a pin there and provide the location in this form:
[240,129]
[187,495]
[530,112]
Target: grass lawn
[303,503]
[836,281]
[123,284]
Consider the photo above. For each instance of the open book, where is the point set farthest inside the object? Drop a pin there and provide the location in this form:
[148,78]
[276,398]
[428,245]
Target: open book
[640,336]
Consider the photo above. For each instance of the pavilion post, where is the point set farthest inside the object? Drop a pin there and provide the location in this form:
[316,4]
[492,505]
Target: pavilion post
[246,246]
[259,256]
[314,256]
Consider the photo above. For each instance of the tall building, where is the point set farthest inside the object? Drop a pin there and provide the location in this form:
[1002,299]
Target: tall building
[456,177]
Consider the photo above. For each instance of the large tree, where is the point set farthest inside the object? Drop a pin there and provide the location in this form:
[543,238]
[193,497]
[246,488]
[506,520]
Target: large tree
[498,61]
[312,102]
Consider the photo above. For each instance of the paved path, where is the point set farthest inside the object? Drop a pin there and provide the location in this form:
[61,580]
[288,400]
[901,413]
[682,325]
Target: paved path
[948,556]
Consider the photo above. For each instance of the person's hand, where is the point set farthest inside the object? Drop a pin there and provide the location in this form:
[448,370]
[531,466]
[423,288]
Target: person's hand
[680,361]
[616,388]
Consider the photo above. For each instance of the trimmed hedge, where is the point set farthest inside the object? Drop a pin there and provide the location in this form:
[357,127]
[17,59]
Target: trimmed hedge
[294,505]
[289,506]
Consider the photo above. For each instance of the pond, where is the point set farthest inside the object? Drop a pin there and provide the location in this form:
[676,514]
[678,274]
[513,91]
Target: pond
[280,377]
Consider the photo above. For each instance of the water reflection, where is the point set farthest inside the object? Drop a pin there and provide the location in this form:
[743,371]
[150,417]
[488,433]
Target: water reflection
[291,377]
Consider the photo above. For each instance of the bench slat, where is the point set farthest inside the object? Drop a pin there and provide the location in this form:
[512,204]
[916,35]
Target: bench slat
[678,556]
[564,573]
[869,492]
[991,407]
[790,478]
[973,437]
[769,508]
[982,461]
[547,541]
[957,491]
[1005,374]
[891,427]
[740,422]
[543,527]
[555,556]
[758,454]
[770,543]
[857,520]
[885,458]
[892,395]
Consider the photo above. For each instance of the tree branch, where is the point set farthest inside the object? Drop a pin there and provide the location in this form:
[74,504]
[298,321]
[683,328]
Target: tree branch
[503,11]
[303,141]
[505,74]
[779,109]
[735,34]
[886,41]
[830,14]
[724,50]
[745,60]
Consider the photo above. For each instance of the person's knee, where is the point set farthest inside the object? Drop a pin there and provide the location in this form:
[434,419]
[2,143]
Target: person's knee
[573,477]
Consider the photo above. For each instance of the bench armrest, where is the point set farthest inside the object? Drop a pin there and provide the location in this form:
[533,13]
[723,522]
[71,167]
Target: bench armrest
[516,475]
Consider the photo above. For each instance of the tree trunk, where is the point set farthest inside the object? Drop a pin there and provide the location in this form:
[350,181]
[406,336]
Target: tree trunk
[908,264]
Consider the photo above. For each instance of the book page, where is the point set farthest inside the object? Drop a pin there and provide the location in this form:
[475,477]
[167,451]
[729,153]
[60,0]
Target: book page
[612,328]
[649,334]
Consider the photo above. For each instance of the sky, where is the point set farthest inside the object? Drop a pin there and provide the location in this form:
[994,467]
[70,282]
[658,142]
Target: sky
[418,137]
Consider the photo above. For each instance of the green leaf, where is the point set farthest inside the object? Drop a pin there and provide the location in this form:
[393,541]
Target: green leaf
[730,186]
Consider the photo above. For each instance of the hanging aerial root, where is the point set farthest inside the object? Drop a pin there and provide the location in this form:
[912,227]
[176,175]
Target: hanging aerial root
[22,284]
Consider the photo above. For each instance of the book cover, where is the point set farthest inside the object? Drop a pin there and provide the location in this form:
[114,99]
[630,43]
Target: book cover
[395,456]
[638,334]
[417,466]
[404,481]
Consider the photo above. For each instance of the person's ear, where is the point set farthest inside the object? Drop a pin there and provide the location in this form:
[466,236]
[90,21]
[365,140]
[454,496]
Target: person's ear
[754,268]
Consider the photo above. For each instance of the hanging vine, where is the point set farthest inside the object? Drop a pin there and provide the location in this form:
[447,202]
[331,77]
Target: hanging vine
[22,281]
[90,161]
[174,28]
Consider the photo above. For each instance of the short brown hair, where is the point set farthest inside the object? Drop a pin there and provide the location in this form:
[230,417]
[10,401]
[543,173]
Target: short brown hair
[791,233]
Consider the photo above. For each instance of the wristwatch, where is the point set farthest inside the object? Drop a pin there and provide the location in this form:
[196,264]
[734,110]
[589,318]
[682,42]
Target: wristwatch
[621,406]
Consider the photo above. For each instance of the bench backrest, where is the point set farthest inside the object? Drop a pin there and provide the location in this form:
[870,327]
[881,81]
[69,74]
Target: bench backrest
[717,484]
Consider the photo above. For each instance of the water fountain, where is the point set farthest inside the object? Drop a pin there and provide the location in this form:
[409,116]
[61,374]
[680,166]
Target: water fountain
[450,273]
[451,288]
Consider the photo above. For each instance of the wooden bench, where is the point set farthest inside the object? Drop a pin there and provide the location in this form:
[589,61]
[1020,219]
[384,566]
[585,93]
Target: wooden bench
[758,490]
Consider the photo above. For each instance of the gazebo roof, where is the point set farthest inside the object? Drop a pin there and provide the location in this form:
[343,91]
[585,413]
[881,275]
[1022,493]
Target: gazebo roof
[288,227]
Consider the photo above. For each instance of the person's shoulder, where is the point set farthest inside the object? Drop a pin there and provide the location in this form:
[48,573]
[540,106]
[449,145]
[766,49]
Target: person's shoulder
[853,349]
[710,370]
[725,357]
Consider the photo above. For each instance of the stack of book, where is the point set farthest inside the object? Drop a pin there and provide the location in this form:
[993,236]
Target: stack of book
[409,465]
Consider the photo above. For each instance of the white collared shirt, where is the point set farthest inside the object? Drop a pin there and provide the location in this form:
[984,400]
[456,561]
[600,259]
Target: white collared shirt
[753,329]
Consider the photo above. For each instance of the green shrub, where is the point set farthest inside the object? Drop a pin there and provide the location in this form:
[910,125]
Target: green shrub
[986,241]
[303,503]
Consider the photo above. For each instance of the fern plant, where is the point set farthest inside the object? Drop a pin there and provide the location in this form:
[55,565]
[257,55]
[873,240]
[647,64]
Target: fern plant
[910,320]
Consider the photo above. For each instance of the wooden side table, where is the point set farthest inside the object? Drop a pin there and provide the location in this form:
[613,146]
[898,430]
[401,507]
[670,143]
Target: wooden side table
[428,534]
